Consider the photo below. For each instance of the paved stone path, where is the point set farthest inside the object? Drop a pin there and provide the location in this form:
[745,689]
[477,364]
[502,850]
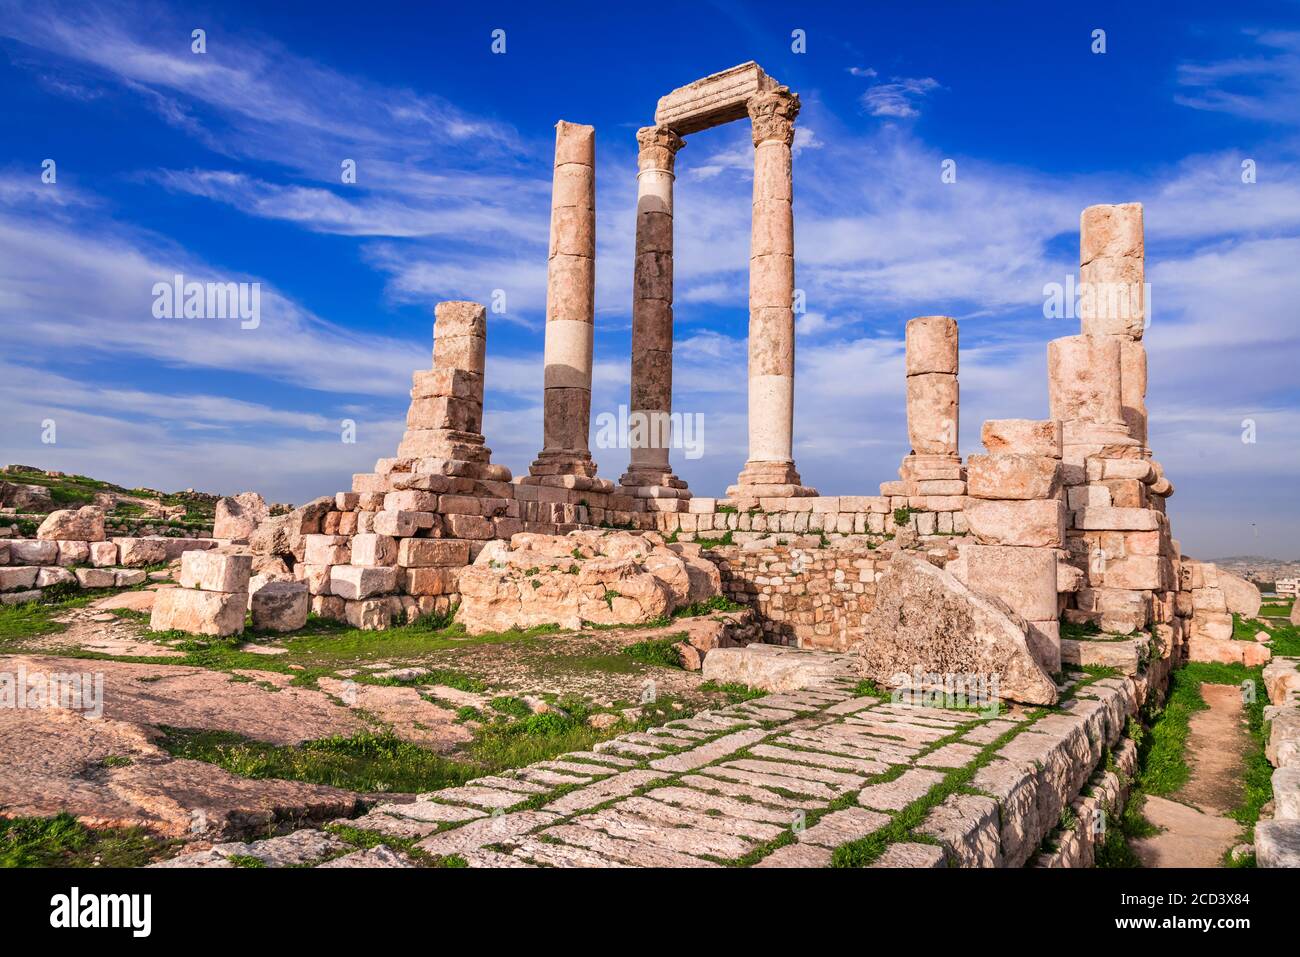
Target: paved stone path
[778,781]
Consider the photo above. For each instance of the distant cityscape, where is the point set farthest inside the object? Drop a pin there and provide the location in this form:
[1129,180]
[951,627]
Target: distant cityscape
[1269,573]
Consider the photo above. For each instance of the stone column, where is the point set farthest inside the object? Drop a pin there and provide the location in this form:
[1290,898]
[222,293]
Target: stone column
[933,467]
[652,318]
[1084,391]
[570,305]
[770,469]
[445,418]
[1112,280]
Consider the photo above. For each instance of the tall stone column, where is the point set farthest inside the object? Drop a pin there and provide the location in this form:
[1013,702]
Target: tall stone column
[770,469]
[570,305]
[1112,278]
[649,473]
[933,467]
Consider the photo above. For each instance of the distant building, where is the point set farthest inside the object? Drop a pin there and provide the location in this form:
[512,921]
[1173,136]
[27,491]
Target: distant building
[1288,586]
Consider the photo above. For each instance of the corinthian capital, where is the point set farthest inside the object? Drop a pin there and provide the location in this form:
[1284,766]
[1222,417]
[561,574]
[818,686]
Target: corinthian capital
[659,146]
[772,113]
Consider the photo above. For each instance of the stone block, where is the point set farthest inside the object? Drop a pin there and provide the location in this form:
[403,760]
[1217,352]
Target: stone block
[1012,476]
[326,550]
[1024,578]
[372,549]
[1022,437]
[1035,523]
[354,582]
[211,571]
[198,612]
[30,551]
[74,553]
[18,577]
[425,552]
[280,606]
[372,614]
[95,577]
[139,552]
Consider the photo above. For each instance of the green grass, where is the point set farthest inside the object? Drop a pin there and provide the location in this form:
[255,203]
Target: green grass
[61,841]
[734,691]
[1285,637]
[366,761]
[659,651]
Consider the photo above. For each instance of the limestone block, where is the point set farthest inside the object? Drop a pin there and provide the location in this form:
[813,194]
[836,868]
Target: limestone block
[17,577]
[31,551]
[85,524]
[1012,476]
[95,577]
[373,614]
[1240,596]
[316,577]
[1024,578]
[138,552]
[372,549]
[925,619]
[435,580]
[1023,436]
[1116,519]
[128,577]
[401,524]
[53,575]
[1277,843]
[355,582]
[280,606]
[426,552]
[74,553]
[1035,522]
[931,345]
[211,571]
[198,612]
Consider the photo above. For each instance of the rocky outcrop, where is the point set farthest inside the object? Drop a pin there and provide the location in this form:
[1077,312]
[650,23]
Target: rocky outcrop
[926,620]
[25,498]
[85,524]
[603,577]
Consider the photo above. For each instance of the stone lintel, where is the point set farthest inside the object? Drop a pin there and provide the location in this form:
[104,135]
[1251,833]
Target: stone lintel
[713,100]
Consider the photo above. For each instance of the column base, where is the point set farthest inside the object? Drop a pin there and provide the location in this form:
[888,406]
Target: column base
[933,474]
[653,483]
[563,462]
[769,480]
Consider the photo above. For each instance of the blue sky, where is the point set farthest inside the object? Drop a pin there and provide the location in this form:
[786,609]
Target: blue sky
[225,166]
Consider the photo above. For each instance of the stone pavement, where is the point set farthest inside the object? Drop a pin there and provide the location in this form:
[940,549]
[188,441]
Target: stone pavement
[780,781]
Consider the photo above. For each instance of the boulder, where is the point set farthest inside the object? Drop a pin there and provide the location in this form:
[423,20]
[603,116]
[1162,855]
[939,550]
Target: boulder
[926,620]
[282,534]
[603,577]
[280,606]
[237,518]
[85,524]
[1242,597]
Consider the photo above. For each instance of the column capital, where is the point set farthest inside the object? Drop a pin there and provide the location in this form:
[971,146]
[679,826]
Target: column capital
[772,113]
[659,146]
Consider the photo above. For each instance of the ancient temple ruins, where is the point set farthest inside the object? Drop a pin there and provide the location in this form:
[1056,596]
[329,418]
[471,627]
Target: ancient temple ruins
[1059,518]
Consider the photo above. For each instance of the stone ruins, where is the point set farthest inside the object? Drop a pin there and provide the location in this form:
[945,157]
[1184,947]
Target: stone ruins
[959,566]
